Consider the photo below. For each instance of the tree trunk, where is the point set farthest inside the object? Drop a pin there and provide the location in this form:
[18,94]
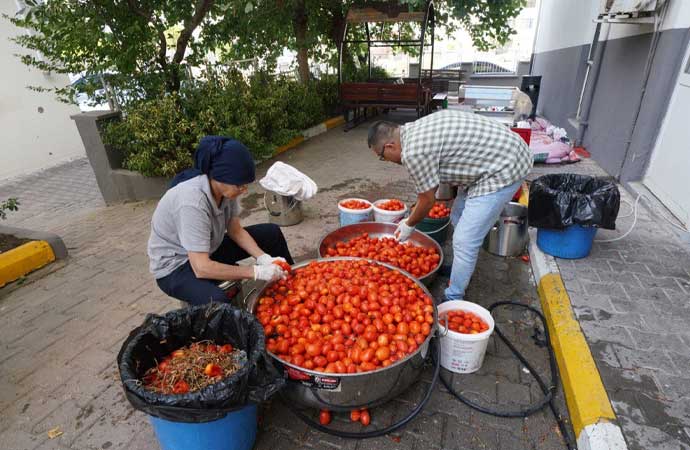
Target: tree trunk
[299,25]
[337,27]
[172,81]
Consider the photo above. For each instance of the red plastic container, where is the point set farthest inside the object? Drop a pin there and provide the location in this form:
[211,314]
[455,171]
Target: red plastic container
[525,133]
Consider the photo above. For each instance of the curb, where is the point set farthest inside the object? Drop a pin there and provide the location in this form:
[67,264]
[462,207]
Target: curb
[26,258]
[310,133]
[43,249]
[588,403]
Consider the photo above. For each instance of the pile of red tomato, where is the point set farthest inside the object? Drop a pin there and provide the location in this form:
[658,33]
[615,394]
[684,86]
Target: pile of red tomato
[463,322]
[439,211]
[344,317]
[391,205]
[355,204]
[414,259]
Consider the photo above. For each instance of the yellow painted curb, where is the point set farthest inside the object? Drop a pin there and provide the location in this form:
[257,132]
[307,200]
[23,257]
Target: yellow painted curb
[26,258]
[334,122]
[328,124]
[587,399]
[292,144]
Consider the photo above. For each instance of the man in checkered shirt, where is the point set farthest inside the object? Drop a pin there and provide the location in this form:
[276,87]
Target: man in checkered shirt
[484,158]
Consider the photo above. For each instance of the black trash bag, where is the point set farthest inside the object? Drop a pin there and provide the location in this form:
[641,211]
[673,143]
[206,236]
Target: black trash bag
[560,200]
[255,382]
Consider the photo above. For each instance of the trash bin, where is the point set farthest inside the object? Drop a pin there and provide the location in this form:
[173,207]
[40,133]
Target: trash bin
[221,416]
[240,425]
[567,209]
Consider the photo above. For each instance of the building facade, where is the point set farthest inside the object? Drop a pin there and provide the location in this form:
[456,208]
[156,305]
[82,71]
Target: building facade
[633,112]
[37,131]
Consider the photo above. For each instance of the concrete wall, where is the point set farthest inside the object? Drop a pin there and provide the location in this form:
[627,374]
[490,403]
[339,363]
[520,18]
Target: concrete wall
[563,40]
[36,129]
[617,95]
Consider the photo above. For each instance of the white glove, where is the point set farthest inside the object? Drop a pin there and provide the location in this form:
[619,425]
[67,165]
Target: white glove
[268,272]
[403,232]
[268,259]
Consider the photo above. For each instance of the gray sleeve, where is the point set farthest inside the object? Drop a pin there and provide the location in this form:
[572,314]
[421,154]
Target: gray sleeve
[194,229]
[232,209]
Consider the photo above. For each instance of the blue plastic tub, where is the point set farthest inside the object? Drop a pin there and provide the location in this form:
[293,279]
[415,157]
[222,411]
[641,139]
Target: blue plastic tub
[573,242]
[236,431]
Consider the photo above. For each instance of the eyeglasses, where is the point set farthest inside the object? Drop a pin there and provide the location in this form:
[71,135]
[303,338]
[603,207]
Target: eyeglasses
[383,150]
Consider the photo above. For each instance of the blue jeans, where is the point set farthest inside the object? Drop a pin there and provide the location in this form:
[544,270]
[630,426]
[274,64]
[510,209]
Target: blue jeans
[472,219]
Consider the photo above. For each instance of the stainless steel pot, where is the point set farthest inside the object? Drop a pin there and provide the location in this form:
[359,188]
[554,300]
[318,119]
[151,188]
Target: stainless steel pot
[446,192]
[508,236]
[344,392]
[283,210]
[379,230]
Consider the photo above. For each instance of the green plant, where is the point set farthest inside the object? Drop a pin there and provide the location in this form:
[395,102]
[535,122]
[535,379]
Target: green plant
[158,137]
[11,204]
[361,74]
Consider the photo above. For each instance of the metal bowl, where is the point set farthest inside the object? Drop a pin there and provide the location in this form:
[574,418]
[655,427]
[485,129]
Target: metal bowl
[379,230]
[344,392]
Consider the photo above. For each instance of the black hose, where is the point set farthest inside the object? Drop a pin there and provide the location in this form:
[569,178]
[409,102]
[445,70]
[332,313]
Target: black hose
[436,357]
[547,390]
[524,412]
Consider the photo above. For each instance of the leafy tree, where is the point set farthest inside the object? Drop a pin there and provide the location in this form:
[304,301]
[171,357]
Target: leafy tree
[142,45]
[314,28]
[142,48]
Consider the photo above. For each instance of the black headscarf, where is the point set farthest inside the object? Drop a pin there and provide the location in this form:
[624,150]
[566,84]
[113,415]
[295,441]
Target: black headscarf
[222,158]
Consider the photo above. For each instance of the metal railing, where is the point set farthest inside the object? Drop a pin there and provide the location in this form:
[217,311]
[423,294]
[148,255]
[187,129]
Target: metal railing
[490,68]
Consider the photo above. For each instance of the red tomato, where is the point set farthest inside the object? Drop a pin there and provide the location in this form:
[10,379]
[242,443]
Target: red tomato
[181,387]
[365,418]
[324,417]
[383,353]
[227,348]
[213,370]
[355,414]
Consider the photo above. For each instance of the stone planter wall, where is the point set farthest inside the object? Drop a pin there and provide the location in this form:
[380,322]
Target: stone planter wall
[117,185]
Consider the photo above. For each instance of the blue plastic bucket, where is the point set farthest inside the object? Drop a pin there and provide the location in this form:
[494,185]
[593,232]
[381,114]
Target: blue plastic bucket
[236,431]
[573,242]
[349,216]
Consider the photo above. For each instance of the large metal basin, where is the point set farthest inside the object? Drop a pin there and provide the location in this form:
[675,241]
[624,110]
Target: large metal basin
[379,230]
[344,392]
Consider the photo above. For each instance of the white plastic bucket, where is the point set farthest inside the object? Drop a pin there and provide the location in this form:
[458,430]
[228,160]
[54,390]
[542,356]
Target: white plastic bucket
[349,216]
[382,215]
[463,353]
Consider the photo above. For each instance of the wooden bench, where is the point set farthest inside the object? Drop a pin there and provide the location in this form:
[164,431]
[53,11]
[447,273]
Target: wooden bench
[355,96]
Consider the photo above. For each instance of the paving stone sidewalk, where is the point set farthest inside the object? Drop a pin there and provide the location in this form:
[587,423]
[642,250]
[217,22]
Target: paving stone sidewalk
[49,197]
[632,299]
[59,335]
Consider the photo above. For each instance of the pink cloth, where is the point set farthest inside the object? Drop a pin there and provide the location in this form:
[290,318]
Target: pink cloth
[541,143]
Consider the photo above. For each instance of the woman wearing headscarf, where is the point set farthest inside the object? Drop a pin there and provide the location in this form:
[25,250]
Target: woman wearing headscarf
[196,236]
